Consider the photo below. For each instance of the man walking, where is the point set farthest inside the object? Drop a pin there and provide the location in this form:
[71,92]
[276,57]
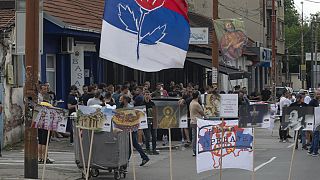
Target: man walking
[196,111]
[315,140]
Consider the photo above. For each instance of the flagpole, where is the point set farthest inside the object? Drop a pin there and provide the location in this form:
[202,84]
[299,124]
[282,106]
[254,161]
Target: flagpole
[221,146]
[293,152]
[253,152]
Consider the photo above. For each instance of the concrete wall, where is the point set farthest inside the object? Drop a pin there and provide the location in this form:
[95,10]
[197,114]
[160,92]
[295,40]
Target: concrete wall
[13,106]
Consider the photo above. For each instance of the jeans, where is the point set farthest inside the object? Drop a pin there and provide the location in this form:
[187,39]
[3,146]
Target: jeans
[282,133]
[315,143]
[137,146]
[150,133]
[70,129]
[194,137]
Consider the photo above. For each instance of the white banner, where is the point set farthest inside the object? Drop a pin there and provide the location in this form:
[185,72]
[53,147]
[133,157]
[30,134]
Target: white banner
[236,147]
[229,105]
[77,67]
[317,118]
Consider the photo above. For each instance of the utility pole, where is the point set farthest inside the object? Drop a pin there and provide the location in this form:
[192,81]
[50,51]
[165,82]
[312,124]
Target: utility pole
[316,50]
[313,82]
[30,90]
[274,51]
[215,48]
[303,65]
[287,67]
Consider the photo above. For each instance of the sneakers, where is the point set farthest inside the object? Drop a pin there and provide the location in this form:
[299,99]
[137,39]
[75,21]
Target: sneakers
[49,161]
[193,154]
[315,155]
[144,161]
[55,139]
[309,153]
[305,147]
[40,161]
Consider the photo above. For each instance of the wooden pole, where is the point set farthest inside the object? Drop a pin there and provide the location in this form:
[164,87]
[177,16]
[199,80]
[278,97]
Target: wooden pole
[253,151]
[81,151]
[45,155]
[133,157]
[30,89]
[90,153]
[170,155]
[221,150]
[274,51]
[215,49]
[293,152]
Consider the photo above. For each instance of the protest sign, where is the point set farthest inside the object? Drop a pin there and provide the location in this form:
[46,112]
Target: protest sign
[130,119]
[49,118]
[297,118]
[254,115]
[317,118]
[236,145]
[169,114]
[94,118]
[221,105]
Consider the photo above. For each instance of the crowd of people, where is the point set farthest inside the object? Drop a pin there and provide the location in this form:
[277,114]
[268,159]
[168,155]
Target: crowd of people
[131,94]
[308,138]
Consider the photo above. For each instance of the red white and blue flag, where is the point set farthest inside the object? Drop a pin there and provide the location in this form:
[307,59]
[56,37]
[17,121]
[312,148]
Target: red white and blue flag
[148,35]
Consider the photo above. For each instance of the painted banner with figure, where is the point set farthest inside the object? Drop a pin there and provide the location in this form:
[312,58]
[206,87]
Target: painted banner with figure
[297,118]
[130,119]
[169,114]
[232,37]
[49,118]
[221,105]
[236,145]
[255,115]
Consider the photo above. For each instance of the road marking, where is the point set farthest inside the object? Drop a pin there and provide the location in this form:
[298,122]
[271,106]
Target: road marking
[290,146]
[263,164]
[49,165]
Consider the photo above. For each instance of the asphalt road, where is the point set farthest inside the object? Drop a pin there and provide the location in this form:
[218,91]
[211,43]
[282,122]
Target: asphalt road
[272,161]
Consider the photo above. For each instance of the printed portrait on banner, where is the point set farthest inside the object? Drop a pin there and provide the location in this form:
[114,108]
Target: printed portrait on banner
[254,115]
[297,118]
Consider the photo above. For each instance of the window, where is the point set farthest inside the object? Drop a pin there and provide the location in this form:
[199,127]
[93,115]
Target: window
[18,62]
[280,30]
[51,71]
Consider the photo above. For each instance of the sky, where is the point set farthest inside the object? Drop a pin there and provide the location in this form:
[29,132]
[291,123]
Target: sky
[308,7]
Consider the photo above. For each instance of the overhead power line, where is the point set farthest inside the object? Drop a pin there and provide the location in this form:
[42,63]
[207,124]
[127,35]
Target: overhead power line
[313,1]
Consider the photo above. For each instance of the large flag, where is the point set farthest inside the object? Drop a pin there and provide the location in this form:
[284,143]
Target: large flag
[148,35]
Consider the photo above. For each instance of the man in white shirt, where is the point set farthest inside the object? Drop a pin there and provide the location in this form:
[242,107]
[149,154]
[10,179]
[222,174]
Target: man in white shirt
[284,102]
[95,100]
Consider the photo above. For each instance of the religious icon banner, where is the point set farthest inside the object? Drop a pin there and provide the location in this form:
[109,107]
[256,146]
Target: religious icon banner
[231,36]
[236,145]
[221,105]
[49,118]
[169,114]
[130,119]
[254,115]
[297,118]
[94,118]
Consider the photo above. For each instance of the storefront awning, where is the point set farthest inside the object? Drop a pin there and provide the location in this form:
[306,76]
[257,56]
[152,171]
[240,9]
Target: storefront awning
[232,72]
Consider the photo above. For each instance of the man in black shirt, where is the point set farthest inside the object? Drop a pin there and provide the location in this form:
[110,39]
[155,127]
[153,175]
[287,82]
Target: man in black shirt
[150,131]
[266,94]
[72,107]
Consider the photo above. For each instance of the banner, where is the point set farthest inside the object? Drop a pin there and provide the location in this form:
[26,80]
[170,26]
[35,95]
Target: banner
[231,36]
[130,119]
[48,118]
[169,114]
[221,105]
[255,115]
[94,118]
[317,118]
[297,118]
[236,145]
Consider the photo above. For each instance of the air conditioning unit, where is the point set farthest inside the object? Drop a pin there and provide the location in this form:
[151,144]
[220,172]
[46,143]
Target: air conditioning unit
[67,45]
